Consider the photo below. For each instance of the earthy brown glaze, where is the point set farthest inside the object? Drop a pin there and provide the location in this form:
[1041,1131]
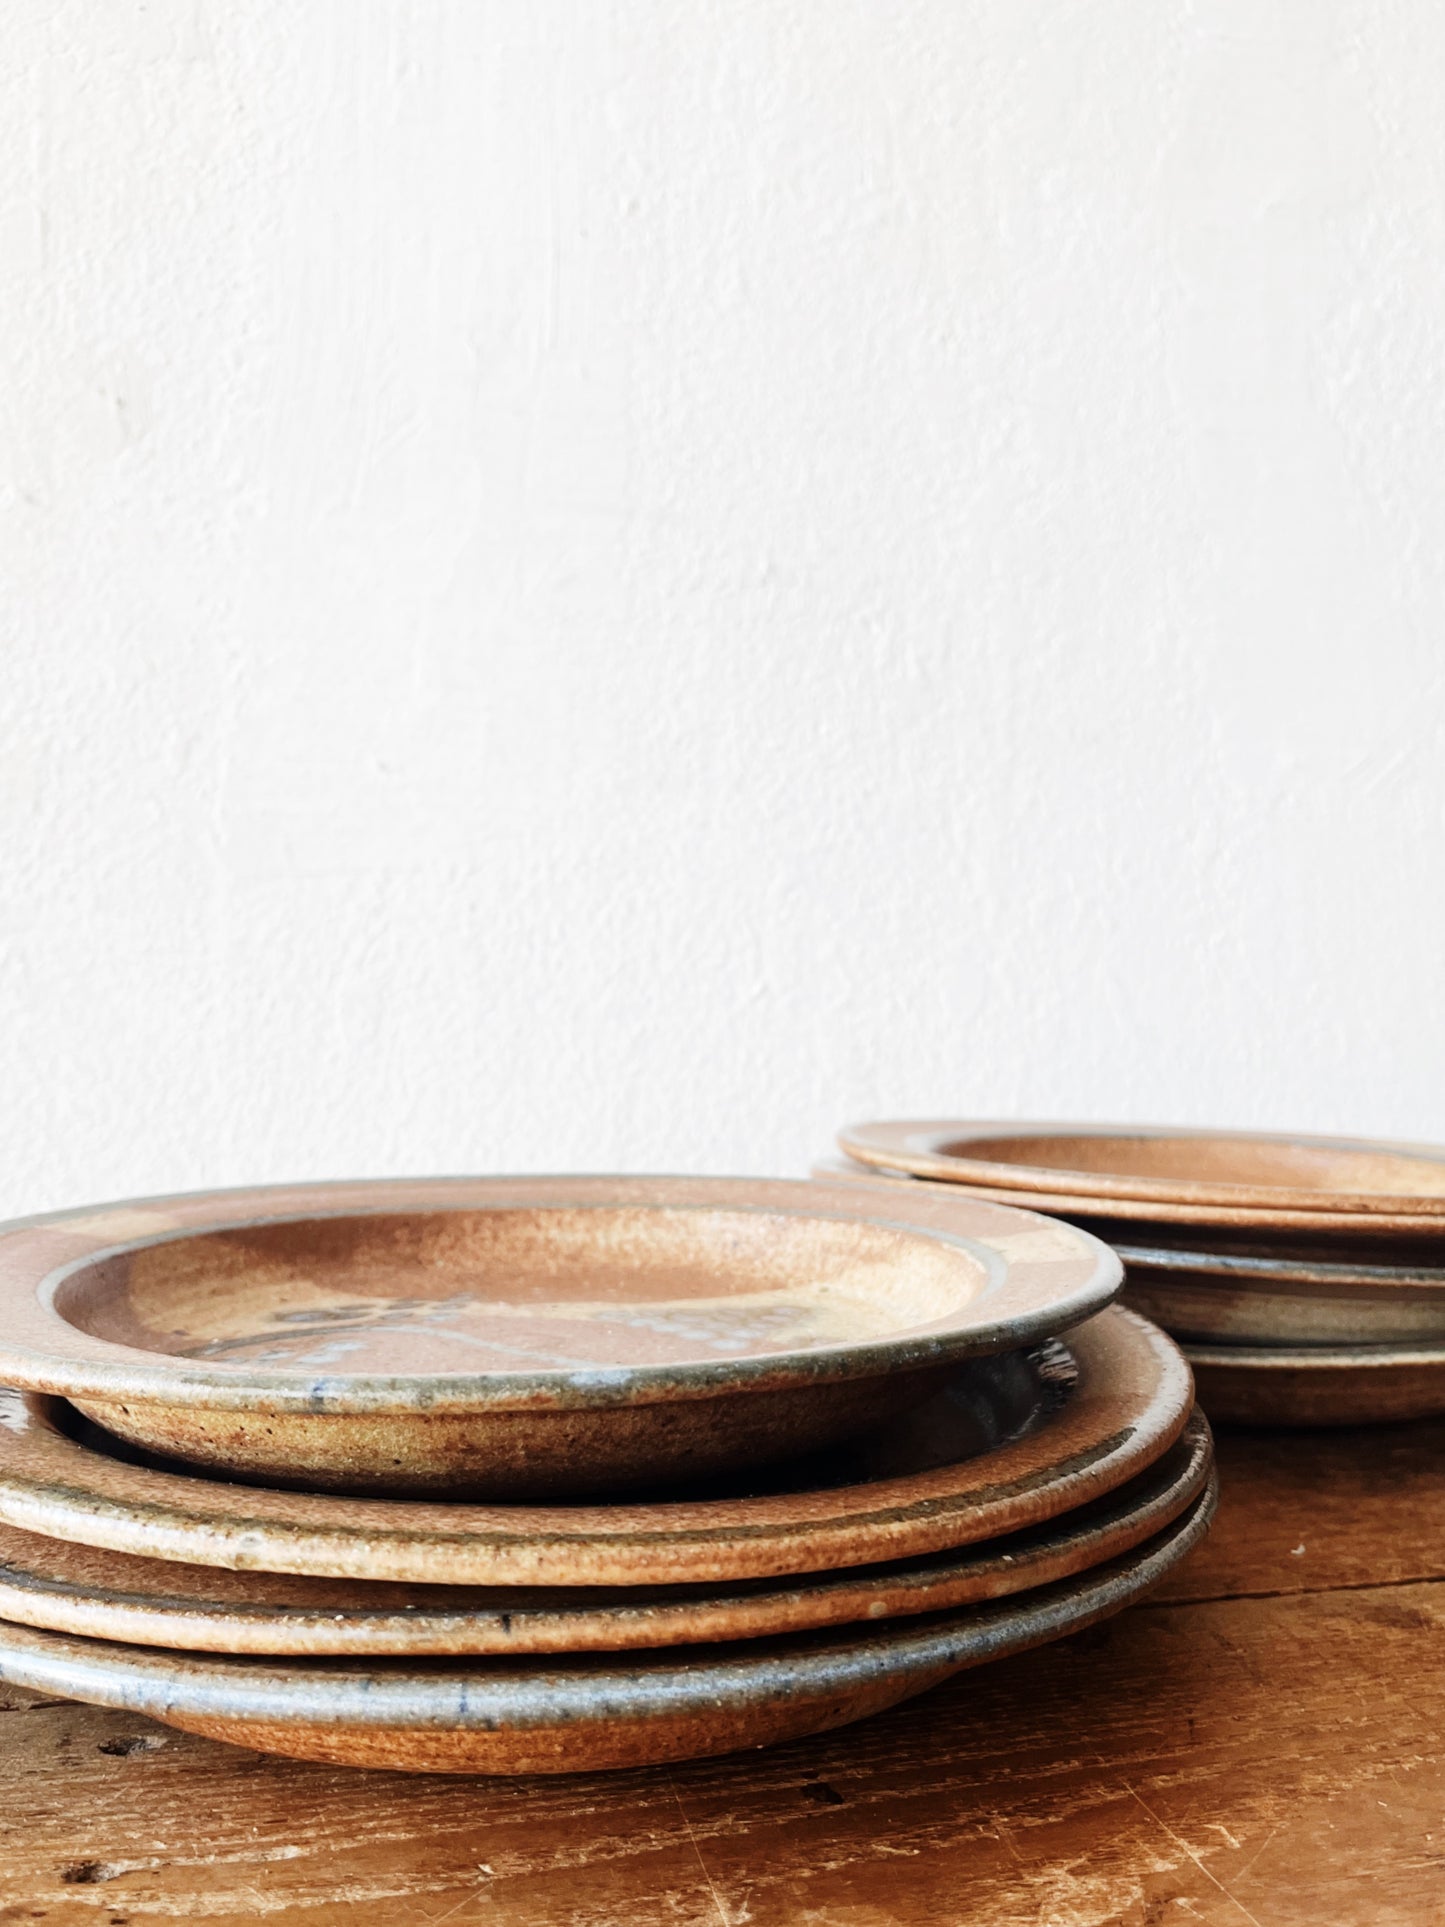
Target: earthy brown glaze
[1415,1259]
[575,1715]
[1302,1229]
[1163,1164]
[1323,1270]
[66,1588]
[1246,1302]
[1346,1385]
[1328,1290]
[900,1493]
[507,1455]
[1272,1751]
[529,1337]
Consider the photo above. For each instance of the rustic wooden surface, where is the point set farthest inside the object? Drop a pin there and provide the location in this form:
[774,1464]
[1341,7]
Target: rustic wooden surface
[1264,1742]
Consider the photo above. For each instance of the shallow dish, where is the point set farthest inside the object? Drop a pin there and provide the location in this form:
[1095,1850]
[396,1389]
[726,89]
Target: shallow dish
[521,1337]
[60,1587]
[1221,1298]
[1345,1385]
[1258,1224]
[1417,1261]
[577,1715]
[1272,1290]
[944,1476]
[1150,1163]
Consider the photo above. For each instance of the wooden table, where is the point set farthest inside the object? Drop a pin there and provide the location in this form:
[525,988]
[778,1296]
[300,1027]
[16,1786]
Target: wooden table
[1263,1742]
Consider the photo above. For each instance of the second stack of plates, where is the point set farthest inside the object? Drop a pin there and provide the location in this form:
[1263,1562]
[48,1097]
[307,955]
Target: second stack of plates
[553,1474]
[1305,1276]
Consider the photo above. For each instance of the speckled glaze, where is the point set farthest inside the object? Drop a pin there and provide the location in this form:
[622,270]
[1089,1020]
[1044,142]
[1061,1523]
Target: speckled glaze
[1417,1259]
[60,1587]
[578,1715]
[1131,1396]
[1317,1289]
[1250,1169]
[1337,1385]
[1225,1299]
[529,1337]
[1099,1214]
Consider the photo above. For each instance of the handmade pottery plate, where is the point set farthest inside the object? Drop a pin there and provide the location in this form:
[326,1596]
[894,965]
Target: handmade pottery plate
[66,1588]
[1147,1163]
[1339,1385]
[1325,1290]
[578,1714]
[945,1474]
[1221,1298]
[521,1337]
[1417,1260]
[1104,1216]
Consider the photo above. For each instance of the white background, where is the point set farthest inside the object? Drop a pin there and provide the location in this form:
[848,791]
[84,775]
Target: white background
[596,584]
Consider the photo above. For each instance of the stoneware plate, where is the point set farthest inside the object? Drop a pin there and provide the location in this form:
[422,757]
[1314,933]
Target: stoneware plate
[149,1602]
[1145,1163]
[1326,1291]
[1344,1385]
[1102,1217]
[577,1715]
[1417,1260]
[1256,1300]
[521,1337]
[911,1487]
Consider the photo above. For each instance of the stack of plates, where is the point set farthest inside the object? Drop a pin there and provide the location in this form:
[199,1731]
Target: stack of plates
[552,1474]
[1304,1275]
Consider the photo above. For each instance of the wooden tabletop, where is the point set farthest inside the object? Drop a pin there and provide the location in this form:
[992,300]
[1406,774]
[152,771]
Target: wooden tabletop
[1262,1742]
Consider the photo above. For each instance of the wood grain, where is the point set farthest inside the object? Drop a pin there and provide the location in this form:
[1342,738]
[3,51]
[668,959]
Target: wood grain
[1269,1750]
[1300,1512]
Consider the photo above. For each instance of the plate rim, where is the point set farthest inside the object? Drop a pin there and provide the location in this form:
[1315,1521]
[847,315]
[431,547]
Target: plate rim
[1240,1270]
[51,1484]
[1098,1215]
[590,1690]
[100,1606]
[44,1352]
[915,1145]
[1285,1359]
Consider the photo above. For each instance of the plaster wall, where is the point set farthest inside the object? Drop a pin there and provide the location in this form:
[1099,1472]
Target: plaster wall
[595,584]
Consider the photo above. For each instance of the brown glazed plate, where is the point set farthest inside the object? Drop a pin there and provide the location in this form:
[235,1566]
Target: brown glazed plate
[1245,1293]
[579,1714]
[1164,1164]
[522,1337]
[66,1588]
[1336,1385]
[1101,1215]
[1010,1443]
[1225,1299]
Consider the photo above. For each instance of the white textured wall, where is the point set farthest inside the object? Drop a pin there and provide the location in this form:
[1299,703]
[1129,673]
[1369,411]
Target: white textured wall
[607,583]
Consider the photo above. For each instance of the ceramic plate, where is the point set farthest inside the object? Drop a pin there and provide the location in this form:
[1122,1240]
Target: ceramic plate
[1296,1270]
[906,1489]
[1103,1216]
[1417,1260]
[110,1595]
[515,1337]
[576,1715]
[1234,1300]
[1338,1385]
[1144,1163]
